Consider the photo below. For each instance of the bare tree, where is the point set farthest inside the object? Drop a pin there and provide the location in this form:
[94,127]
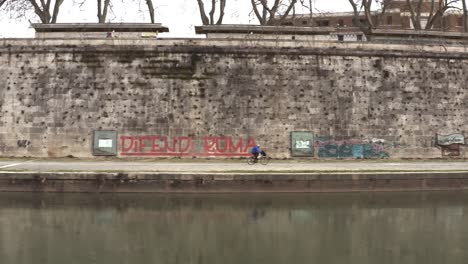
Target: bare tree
[15,9]
[211,19]
[364,17]
[103,8]
[43,10]
[106,6]
[357,21]
[436,11]
[46,10]
[150,5]
[266,12]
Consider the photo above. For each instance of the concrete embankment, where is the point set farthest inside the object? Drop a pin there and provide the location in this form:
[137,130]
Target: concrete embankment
[230,182]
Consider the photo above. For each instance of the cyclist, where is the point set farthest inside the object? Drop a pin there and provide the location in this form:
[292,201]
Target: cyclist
[256,151]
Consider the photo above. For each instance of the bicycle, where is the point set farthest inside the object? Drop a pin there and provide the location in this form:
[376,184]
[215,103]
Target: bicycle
[264,160]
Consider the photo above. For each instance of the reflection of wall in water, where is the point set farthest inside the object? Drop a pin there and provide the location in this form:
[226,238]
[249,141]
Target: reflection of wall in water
[345,232]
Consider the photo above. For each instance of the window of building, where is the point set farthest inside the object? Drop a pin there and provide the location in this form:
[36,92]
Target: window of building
[359,37]
[340,38]
[460,21]
[323,23]
[389,20]
[340,22]
[305,22]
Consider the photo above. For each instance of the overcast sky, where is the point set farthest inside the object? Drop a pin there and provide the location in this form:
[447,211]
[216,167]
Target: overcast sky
[179,15]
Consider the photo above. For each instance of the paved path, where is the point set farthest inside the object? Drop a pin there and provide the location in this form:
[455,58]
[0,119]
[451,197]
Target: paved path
[229,166]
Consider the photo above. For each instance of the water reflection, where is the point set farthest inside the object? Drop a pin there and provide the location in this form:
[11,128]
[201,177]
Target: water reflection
[286,228]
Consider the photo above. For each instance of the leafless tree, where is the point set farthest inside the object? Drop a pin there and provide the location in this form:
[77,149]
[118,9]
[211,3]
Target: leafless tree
[364,17]
[435,14]
[43,10]
[46,10]
[150,5]
[266,12]
[211,19]
[103,8]
[435,8]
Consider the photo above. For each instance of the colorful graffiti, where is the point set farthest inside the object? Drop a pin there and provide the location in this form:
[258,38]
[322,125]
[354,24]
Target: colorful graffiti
[185,146]
[450,144]
[358,149]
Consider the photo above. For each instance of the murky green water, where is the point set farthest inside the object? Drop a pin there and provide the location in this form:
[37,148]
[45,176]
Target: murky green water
[248,228]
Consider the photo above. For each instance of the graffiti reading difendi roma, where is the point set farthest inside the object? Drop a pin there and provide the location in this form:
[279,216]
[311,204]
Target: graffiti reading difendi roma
[185,146]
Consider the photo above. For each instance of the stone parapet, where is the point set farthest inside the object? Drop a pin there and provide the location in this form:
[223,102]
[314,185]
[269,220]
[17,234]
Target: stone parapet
[426,37]
[98,30]
[265,32]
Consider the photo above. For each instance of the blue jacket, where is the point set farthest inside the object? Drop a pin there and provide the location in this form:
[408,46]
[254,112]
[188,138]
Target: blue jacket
[255,150]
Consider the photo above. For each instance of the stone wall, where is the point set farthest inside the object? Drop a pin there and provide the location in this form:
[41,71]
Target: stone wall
[217,98]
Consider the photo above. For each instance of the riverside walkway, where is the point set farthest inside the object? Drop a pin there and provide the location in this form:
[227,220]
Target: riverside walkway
[213,176]
[219,166]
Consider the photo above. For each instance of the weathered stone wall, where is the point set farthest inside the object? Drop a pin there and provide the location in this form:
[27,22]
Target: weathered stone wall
[169,96]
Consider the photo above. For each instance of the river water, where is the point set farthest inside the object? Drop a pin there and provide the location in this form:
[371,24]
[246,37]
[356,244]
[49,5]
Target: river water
[242,228]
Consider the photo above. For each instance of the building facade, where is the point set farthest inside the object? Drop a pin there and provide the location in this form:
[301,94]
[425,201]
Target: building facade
[396,16]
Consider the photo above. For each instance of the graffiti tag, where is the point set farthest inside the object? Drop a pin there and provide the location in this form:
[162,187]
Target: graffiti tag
[302,144]
[23,143]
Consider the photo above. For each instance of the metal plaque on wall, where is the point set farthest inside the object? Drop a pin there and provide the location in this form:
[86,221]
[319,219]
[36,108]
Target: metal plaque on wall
[105,143]
[302,144]
[446,140]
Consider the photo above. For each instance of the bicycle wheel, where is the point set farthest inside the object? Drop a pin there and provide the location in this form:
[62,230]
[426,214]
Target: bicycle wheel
[265,160]
[251,160]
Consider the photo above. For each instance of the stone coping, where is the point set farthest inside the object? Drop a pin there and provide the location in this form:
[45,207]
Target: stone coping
[419,34]
[100,27]
[20,45]
[256,29]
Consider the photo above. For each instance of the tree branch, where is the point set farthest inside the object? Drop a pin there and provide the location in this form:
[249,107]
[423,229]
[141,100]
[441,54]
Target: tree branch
[38,11]
[203,16]
[257,14]
[150,5]
[57,5]
[212,11]
[416,23]
[222,5]
[291,5]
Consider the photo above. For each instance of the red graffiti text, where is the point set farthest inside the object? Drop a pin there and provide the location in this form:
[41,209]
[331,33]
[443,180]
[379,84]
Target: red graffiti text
[185,146]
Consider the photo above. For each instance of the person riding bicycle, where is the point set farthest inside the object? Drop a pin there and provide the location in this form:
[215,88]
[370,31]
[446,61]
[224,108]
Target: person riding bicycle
[256,151]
